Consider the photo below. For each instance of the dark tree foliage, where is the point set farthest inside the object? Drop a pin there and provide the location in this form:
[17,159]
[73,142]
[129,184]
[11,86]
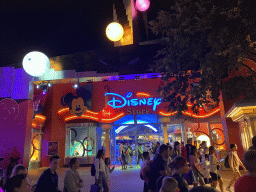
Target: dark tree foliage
[206,36]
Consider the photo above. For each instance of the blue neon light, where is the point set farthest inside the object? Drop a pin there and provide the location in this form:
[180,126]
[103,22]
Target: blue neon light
[121,101]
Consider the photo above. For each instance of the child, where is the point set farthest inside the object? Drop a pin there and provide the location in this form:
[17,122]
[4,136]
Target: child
[108,170]
[206,169]
[169,184]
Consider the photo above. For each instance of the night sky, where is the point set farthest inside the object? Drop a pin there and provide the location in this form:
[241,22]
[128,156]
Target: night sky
[56,27]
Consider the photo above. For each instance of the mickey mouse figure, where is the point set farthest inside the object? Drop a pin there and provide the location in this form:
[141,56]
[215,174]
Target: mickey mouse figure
[77,104]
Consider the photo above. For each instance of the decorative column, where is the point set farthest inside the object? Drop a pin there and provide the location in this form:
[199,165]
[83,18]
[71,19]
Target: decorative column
[107,128]
[183,133]
[165,120]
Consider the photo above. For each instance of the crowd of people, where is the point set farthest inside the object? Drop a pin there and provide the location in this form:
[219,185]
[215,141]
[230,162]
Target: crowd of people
[16,180]
[174,168]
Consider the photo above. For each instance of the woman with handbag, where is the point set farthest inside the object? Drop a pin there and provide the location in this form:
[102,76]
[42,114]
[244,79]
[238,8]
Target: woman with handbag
[213,168]
[195,167]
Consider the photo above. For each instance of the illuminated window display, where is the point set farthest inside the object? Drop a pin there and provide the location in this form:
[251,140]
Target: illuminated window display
[246,134]
[35,149]
[81,141]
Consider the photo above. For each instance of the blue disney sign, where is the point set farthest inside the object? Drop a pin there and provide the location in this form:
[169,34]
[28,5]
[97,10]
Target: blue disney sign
[118,101]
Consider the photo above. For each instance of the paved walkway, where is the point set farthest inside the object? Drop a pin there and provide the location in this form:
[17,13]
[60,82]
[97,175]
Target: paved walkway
[121,180]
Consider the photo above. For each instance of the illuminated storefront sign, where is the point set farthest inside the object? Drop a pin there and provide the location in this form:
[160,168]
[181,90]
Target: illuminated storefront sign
[118,101]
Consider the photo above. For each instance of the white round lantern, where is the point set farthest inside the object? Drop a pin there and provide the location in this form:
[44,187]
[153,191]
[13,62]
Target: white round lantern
[36,63]
[114,31]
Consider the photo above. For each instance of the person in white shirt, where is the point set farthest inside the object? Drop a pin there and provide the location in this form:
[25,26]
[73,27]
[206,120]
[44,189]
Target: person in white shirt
[72,180]
[100,175]
[203,150]
[213,169]
[206,169]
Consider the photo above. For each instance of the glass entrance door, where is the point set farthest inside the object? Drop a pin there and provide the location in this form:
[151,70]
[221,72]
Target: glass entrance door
[135,129]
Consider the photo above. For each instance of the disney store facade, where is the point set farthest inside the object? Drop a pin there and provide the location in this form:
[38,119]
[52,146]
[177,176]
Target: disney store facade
[101,114]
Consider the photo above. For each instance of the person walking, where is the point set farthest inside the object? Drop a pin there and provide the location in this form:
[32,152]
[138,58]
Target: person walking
[195,167]
[128,155]
[17,170]
[253,147]
[1,178]
[143,171]
[183,150]
[18,183]
[140,153]
[49,180]
[188,148]
[179,166]
[108,170]
[100,167]
[213,169]
[169,184]
[234,163]
[203,150]
[206,169]
[123,159]
[157,167]
[72,180]
[176,149]
[247,183]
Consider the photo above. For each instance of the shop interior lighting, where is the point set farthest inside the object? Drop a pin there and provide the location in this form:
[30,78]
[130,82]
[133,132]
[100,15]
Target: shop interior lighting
[50,84]
[132,122]
[40,117]
[144,94]
[44,86]
[137,77]
[154,76]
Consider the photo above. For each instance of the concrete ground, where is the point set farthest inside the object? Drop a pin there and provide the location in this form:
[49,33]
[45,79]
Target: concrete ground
[121,180]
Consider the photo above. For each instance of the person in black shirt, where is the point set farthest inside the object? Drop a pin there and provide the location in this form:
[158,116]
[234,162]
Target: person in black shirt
[48,181]
[180,166]
[188,147]
[157,168]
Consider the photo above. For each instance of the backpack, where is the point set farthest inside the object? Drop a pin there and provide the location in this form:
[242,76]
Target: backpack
[226,164]
[93,170]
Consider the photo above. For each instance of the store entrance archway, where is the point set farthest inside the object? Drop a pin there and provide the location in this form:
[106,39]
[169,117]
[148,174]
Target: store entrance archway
[132,130]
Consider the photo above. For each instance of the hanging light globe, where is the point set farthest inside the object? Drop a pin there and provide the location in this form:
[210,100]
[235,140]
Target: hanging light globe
[36,63]
[142,5]
[114,31]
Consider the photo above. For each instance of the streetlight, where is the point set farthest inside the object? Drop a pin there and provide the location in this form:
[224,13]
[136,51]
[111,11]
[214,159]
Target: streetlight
[114,31]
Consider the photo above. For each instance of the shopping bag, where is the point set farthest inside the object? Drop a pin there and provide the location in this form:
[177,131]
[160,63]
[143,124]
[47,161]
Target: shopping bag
[95,188]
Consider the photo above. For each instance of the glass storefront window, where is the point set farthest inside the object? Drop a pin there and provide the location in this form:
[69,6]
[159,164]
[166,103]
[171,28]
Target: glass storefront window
[81,141]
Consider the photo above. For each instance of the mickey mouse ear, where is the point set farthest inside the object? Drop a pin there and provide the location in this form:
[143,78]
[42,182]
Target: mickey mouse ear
[62,101]
[84,93]
[67,99]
